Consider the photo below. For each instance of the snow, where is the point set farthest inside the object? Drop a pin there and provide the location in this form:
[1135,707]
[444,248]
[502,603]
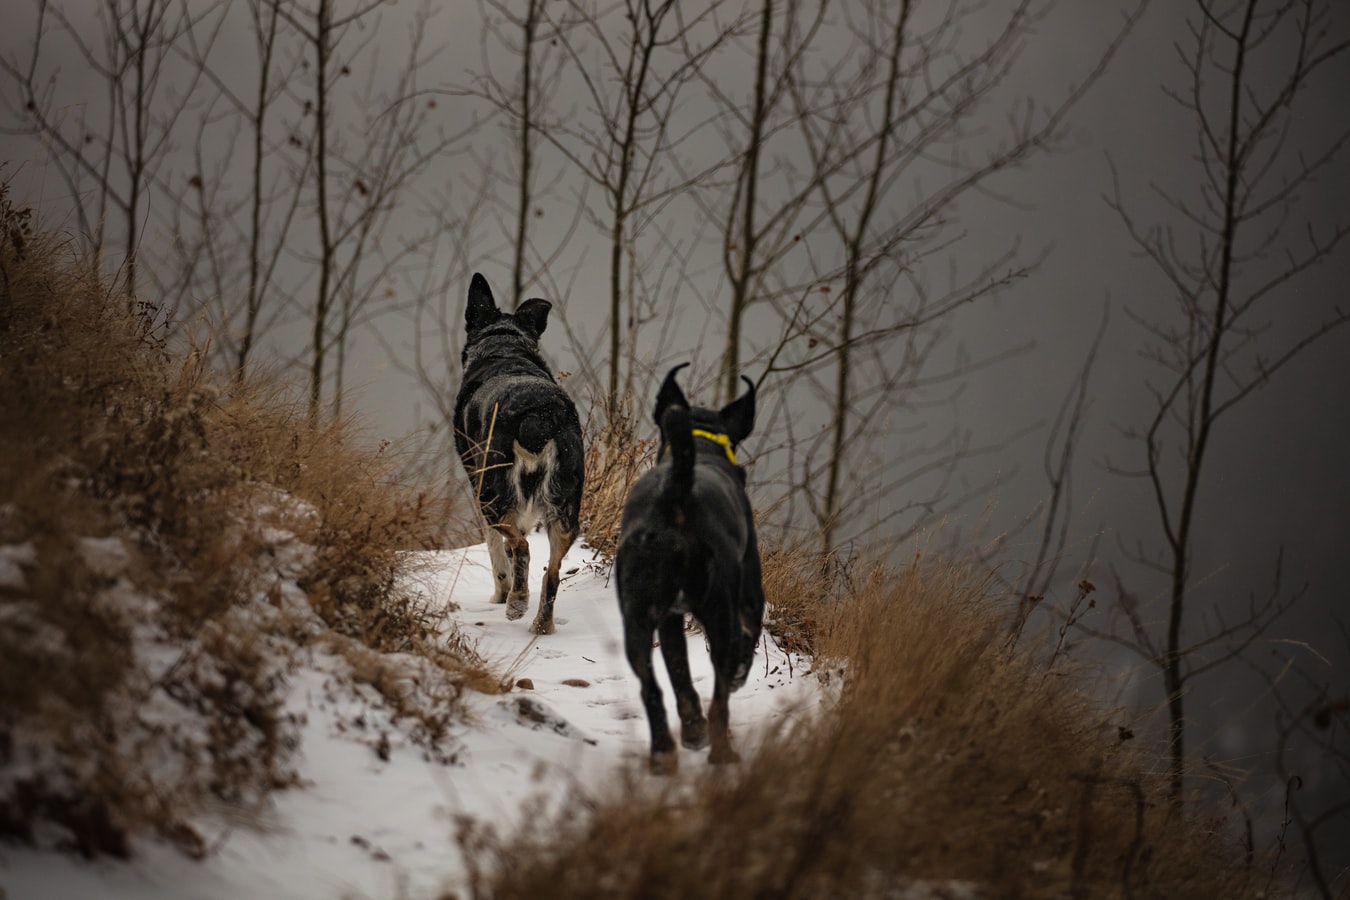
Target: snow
[361,825]
[14,558]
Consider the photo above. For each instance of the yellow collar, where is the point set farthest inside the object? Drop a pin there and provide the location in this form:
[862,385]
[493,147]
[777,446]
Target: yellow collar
[718,439]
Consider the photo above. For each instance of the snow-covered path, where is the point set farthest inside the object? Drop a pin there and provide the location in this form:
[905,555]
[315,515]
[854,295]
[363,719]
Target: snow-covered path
[365,826]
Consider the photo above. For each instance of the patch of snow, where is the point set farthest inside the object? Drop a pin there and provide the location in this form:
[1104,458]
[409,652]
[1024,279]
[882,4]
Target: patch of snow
[107,557]
[14,558]
[375,815]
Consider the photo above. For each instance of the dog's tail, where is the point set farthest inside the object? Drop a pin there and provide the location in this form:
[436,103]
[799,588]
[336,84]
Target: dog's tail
[538,427]
[534,432]
[678,431]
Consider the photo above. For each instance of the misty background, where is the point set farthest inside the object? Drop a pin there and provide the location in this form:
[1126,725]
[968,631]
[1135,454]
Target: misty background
[1023,292]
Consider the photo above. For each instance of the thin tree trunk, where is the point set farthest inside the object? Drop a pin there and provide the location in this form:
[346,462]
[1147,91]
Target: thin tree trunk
[526,151]
[842,394]
[1174,678]
[843,398]
[745,251]
[137,155]
[634,88]
[325,236]
[253,299]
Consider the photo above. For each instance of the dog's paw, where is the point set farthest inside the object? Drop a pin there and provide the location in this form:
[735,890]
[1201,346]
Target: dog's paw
[667,763]
[542,627]
[695,735]
[720,756]
[517,607]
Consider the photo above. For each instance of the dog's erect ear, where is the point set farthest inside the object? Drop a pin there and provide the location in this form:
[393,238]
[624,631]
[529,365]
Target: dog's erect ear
[481,309]
[738,416]
[533,315]
[670,394]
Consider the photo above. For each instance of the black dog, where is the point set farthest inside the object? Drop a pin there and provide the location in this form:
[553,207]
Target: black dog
[687,544]
[519,437]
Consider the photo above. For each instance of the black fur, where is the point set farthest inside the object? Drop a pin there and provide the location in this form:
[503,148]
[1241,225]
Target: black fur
[687,544]
[519,437]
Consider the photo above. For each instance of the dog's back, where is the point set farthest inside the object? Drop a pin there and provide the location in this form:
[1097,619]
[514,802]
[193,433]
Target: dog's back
[519,435]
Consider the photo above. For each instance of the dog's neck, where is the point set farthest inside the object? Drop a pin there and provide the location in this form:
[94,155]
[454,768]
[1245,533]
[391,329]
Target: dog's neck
[720,439]
[505,348]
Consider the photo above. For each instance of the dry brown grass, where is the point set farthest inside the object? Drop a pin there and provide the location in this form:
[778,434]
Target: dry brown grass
[616,456]
[800,581]
[946,759]
[148,505]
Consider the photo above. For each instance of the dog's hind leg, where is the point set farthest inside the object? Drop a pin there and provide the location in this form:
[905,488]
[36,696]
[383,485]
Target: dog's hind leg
[560,539]
[637,640]
[675,649]
[722,638]
[719,721]
[518,566]
[501,565]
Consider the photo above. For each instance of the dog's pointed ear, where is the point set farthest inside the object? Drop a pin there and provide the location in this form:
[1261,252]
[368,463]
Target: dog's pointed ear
[481,310]
[670,394]
[533,315]
[738,416]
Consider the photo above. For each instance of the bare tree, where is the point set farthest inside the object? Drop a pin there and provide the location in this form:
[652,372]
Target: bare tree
[740,254]
[517,177]
[757,233]
[266,21]
[431,306]
[1052,518]
[212,225]
[886,132]
[631,131]
[500,191]
[355,186]
[319,31]
[111,154]
[1241,259]
[526,102]
[232,243]
[1318,727]
[529,27]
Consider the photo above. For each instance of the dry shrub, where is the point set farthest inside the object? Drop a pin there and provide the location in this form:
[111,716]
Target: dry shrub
[420,700]
[616,456]
[801,583]
[168,542]
[948,767]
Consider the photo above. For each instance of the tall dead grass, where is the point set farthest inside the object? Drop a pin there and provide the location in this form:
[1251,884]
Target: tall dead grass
[949,766]
[800,584]
[170,542]
[616,457]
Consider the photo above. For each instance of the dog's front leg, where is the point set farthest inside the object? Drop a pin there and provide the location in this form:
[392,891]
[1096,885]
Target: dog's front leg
[560,540]
[501,565]
[675,649]
[719,720]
